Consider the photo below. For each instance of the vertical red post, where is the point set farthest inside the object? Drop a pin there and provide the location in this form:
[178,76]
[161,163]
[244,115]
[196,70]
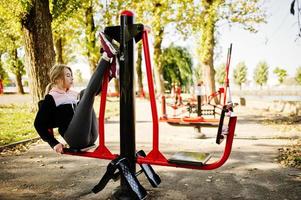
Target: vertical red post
[155,154]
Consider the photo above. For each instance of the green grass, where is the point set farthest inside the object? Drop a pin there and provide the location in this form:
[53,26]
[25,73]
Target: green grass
[16,120]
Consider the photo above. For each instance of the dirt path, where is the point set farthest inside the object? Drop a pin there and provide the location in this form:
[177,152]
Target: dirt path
[252,172]
[15,98]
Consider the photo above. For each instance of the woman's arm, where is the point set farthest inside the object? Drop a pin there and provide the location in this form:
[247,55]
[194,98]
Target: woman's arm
[44,121]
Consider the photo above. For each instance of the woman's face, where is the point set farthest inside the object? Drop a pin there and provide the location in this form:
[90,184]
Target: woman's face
[68,79]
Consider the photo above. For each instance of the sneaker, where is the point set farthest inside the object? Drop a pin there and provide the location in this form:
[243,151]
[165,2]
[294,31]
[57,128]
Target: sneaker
[107,46]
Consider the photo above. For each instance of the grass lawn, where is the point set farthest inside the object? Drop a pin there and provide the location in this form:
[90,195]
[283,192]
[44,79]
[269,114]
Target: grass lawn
[16,120]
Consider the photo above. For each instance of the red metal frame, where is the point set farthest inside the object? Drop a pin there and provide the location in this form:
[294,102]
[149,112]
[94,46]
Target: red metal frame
[154,157]
[101,151]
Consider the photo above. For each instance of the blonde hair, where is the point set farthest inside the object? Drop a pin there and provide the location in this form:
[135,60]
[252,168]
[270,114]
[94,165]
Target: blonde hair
[56,73]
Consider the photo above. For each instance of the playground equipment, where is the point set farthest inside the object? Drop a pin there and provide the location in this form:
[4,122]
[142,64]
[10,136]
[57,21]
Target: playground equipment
[125,163]
[223,94]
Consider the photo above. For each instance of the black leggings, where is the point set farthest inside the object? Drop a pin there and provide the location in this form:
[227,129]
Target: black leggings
[83,128]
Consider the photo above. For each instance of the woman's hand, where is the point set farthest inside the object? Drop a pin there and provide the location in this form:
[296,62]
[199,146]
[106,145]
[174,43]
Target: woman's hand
[59,148]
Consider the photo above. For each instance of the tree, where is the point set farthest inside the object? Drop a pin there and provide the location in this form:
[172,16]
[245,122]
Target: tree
[281,73]
[177,66]
[39,50]
[36,20]
[3,73]
[92,47]
[111,17]
[139,70]
[210,14]
[298,75]
[16,66]
[240,74]
[65,29]
[10,37]
[261,73]
[158,14]
[139,19]
[221,74]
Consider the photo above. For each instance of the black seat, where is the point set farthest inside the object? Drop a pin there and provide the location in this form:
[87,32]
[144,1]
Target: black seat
[190,158]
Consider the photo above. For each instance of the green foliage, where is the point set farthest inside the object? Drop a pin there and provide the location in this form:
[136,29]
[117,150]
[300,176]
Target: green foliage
[240,74]
[11,35]
[177,66]
[111,10]
[20,120]
[158,15]
[62,9]
[15,65]
[25,6]
[244,13]
[10,27]
[261,73]
[247,14]
[163,11]
[281,73]
[221,74]
[68,26]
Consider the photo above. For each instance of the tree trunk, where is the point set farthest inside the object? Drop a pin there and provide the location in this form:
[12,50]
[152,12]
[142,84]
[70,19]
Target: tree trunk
[19,83]
[36,26]
[18,72]
[158,66]
[59,50]
[207,47]
[139,71]
[90,38]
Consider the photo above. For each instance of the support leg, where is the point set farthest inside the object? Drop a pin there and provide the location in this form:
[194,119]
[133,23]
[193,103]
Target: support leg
[122,164]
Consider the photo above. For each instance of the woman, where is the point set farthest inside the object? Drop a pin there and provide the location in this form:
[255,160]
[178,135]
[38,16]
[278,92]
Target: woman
[75,119]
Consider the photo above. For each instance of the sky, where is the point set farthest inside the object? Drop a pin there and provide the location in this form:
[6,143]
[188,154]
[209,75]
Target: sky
[276,42]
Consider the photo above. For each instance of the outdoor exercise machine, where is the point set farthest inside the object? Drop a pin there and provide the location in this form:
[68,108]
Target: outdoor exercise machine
[124,165]
[224,96]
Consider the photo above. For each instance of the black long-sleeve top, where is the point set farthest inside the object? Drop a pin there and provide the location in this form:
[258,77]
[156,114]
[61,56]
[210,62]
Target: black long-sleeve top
[54,114]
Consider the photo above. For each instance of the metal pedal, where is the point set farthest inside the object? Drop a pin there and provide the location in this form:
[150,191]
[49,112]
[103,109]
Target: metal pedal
[122,165]
[131,179]
[116,175]
[149,172]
